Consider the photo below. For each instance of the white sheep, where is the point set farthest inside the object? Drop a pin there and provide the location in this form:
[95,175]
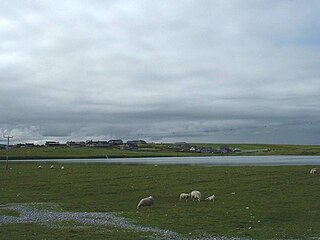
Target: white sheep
[62,167]
[195,195]
[184,196]
[146,202]
[52,167]
[313,171]
[39,166]
[211,198]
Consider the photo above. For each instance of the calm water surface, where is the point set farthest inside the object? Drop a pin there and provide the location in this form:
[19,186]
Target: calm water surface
[210,161]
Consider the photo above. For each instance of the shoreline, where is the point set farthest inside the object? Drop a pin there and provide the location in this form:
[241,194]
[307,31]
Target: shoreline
[275,160]
[158,150]
[149,156]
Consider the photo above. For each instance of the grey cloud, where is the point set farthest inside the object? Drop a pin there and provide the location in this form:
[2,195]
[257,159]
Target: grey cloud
[166,71]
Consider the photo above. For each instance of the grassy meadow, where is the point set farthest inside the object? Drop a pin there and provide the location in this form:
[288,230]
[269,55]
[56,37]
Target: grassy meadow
[251,202]
[154,150]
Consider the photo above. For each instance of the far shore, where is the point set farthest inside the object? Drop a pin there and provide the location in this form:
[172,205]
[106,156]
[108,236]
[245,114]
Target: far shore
[158,150]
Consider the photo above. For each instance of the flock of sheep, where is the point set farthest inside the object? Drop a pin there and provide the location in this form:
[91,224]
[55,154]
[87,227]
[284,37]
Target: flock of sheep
[51,167]
[195,195]
[149,201]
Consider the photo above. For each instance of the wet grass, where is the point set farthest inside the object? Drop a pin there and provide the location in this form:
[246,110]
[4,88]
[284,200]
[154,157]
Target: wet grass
[9,212]
[252,202]
[65,231]
[86,152]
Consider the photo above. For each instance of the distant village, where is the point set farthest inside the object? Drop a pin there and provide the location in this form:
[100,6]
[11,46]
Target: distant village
[77,144]
[129,145]
[186,147]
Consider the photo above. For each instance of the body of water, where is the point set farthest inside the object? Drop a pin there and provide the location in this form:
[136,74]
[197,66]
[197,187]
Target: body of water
[209,161]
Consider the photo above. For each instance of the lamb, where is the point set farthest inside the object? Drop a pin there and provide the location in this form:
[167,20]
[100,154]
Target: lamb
[195,195]
[211,198]
[52,167]
[62,167]
[313,171]
[146,202]
[39,166]
[184,196]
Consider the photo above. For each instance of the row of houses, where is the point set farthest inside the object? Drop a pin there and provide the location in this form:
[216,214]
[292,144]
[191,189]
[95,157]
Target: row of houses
[98,143]
[185,147]
[129,145]
[89,143]
[221,150]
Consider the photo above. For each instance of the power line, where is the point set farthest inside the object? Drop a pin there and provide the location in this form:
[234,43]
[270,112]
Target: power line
[8,139]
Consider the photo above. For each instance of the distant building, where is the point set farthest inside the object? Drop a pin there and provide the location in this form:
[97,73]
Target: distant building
[24,145]
[19,145]
[206,150]
[183,146]
[236,150]
[75,144]
[193,149]
[224,149]
[90,143]
[198,149]
[115,142]
[129,146]
[137,142]
[3,146]
[52,144]
[29,145]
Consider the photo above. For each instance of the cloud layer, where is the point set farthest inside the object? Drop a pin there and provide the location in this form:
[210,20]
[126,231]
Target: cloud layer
[215,71]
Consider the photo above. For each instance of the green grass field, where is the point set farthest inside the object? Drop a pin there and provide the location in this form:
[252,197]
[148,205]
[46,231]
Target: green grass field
[86,152]
[153,150]
[269,202]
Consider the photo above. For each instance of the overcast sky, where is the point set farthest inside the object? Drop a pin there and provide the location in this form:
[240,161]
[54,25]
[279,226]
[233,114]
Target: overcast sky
[163,71]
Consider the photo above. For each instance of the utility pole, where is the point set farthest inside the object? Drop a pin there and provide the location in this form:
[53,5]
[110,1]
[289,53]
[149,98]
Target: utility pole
[8,139]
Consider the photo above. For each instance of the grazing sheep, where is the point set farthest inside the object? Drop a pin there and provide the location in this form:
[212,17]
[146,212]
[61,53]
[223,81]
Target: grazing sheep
[184,196]
[211,198]
[52,167]
[146,202]
[195,195]
[62,167]
[313,171]
[39,166]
